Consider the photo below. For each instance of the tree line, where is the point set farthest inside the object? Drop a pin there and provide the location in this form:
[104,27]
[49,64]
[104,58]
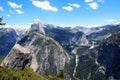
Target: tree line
[1,23]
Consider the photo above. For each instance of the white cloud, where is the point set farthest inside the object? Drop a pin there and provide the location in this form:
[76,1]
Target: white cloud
[68,8]
[45,5]
[112,21]
[19,11]
[109,20]
[93,5]
[8,15]
[74,5]
[83,25]
[89,0]
[117,23]
[101,1]
[92,25]
[20,26]
[14,5]
[1,8]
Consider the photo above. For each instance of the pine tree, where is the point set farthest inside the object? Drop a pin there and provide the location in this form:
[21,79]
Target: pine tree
[1,18]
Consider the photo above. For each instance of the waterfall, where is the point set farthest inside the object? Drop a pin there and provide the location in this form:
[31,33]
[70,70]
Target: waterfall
[93,45]
[76,64]
[76,61]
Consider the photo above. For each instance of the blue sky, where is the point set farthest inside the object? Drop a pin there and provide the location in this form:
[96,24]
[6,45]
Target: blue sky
[60,12]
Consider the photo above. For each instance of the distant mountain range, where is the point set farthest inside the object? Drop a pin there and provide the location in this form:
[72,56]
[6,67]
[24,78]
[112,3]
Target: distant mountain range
[8,38]
[77,53]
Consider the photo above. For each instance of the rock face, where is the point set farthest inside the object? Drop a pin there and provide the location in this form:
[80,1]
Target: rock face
[45,55]
[8,38]
[38,26]
[18,57]
[88,31]
[84,40]
[67,37]
[109,57]
[104,33]
[43,48]
[83,64]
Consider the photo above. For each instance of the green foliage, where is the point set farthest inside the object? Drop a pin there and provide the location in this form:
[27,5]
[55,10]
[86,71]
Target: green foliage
[1,60]
[49,41]
[1,21]
[26,74]
[69,68]
[75,78]
[98,76]
[47,72]
[38,41]
[115,38]
[86,67]
[61,74]
[41,41]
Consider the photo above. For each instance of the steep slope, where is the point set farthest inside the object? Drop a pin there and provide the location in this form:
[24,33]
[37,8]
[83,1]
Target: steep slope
[21,31]
[88,31]
[99,62]
[67,37]
[38,26]
[109,57]
[44,54]
[8,38]
[106,32]
[83,64]
[17,58]
[26,74]
[43,48]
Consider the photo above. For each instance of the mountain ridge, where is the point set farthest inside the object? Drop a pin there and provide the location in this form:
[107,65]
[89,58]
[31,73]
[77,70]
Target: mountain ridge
[55,50]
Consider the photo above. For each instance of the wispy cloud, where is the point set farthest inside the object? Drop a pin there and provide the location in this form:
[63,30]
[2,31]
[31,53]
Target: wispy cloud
[19,11]
[45,5]
[112,21]
[109,20]
[8,15]
[1,8]
[68,8]
[74,5]
[101,1]
[89,0]
[93,5]
[93,25]
[14,5]
[18,26]
[117,23]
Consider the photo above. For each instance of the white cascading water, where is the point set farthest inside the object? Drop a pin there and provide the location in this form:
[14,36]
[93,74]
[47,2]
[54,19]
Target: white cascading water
[76,61]
[93,45]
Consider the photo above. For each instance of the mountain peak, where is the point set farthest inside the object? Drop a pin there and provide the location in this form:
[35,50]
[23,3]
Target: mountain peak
[38,26]
[37,21]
